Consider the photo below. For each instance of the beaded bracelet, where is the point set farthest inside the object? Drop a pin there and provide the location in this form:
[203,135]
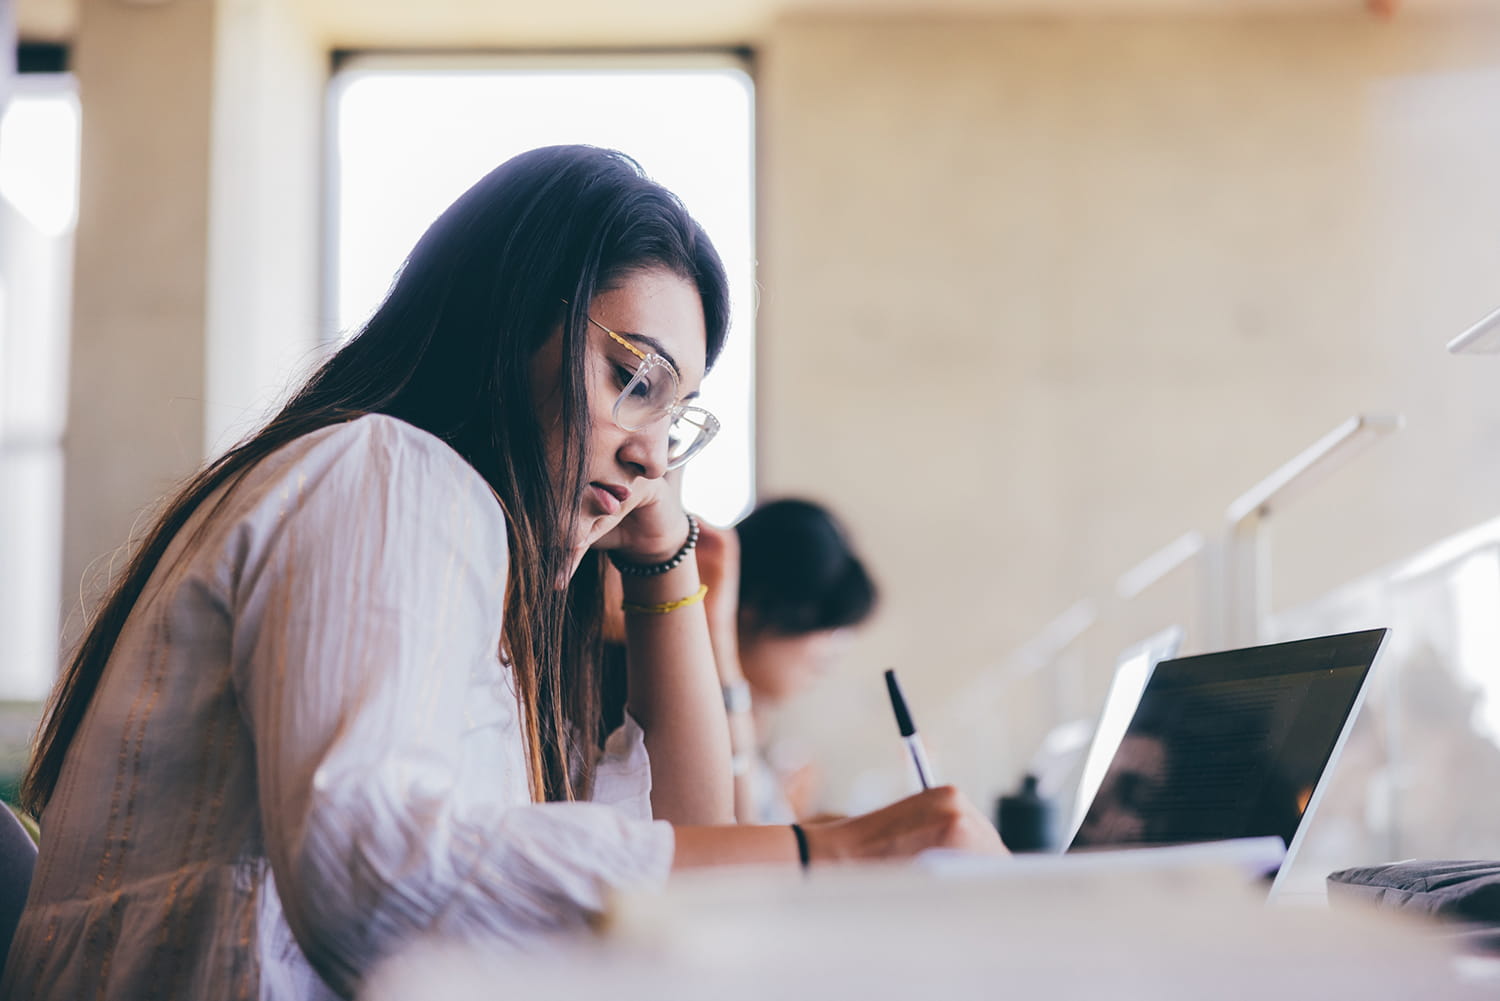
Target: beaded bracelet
[651,570]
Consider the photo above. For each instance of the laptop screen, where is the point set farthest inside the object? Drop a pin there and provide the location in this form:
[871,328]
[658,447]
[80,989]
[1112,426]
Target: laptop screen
[1230,745]
[1132,671]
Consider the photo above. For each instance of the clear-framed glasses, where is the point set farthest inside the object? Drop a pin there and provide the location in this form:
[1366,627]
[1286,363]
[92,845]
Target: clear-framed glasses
[652,394]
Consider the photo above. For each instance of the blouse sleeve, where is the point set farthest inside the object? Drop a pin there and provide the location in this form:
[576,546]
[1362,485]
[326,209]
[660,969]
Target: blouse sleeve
[362,603]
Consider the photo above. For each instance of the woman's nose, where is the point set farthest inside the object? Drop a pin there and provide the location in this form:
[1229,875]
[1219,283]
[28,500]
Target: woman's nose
[647,449]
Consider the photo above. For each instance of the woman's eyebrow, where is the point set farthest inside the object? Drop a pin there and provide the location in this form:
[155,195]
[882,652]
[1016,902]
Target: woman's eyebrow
[655,346]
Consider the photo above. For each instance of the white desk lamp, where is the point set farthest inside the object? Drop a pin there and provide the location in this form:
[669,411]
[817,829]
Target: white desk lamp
[1483,338]
[1153,568]
[1241,600]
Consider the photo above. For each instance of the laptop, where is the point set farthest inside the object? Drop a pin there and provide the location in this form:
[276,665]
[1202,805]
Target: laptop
[1132,670]
[1231,745]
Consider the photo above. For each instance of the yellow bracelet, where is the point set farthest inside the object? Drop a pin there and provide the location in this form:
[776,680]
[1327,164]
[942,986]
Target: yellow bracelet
[666,606]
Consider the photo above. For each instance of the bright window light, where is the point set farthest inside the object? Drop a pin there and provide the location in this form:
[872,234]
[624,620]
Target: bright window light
[1476,594]
[44,189]
[410,139]
[38,207]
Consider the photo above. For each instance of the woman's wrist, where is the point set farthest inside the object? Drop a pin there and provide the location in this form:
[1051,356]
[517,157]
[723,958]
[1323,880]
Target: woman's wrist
[654,563]
[679,582]
[825,843]
[804,854]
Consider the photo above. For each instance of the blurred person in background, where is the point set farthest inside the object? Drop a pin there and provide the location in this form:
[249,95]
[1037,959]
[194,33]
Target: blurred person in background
[803,590]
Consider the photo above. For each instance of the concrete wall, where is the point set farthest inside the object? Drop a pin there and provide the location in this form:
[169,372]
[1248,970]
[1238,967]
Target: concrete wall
[1039,296]
[135,419]
[198,274]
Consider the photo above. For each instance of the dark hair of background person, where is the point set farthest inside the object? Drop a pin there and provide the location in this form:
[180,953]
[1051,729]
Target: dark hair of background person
[798,572]
[449,350]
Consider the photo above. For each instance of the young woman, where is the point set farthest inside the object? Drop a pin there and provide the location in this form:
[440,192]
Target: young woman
[346,692]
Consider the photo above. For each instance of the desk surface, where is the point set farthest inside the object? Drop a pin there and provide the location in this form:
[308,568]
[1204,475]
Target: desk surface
[904,932]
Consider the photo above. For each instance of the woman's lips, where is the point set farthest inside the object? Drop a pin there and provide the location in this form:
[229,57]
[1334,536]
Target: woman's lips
[610,497]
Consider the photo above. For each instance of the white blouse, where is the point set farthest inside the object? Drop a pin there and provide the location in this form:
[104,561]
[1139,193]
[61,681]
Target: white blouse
[305,751]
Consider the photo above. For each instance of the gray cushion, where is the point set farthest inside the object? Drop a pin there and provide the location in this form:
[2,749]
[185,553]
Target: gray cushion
[1459,890]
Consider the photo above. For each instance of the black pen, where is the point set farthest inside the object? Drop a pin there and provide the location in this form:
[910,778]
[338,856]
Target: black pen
[908,731]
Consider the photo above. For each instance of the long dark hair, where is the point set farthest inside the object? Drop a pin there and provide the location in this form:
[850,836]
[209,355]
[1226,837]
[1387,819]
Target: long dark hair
[449,351]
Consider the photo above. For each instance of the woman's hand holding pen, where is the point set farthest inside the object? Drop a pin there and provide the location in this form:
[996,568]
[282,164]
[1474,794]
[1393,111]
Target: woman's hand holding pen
[940,817]
[934,818]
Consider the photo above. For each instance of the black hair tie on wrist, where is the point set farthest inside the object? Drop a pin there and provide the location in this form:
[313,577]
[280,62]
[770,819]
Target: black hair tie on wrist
[803,855]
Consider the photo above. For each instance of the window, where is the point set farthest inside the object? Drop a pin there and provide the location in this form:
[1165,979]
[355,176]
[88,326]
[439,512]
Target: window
[38,208]
[410,135]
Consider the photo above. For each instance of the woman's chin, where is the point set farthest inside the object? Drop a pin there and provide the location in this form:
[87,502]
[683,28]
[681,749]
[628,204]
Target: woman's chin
[575,560]
[598,530]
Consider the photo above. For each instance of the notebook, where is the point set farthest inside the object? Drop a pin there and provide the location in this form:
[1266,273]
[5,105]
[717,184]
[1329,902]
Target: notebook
[1231,745]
